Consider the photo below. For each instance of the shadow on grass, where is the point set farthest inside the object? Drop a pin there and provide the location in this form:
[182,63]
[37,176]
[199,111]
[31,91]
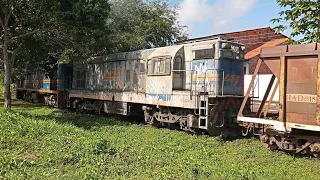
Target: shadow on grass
[81,120]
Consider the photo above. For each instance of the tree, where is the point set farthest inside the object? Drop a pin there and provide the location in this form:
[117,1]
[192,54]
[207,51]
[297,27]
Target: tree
[139,24]
[79,26]
[303,17]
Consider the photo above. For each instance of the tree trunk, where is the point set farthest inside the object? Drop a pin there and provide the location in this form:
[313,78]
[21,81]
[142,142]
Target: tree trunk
[7,93]
[318,38]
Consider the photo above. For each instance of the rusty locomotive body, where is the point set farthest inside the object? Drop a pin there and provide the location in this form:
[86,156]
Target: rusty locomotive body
[296,128]
[195,86]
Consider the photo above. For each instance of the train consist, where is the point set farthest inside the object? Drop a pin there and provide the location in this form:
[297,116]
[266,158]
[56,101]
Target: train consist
[196,86]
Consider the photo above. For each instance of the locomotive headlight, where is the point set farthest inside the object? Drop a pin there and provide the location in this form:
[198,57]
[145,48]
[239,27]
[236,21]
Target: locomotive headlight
[243,48]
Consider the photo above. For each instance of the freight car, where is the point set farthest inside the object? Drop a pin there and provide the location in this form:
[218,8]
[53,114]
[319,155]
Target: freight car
[296,128]
[195,86]
[49,88]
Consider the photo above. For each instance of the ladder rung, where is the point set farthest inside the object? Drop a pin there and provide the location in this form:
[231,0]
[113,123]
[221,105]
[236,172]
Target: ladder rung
[203,107]
[203,117]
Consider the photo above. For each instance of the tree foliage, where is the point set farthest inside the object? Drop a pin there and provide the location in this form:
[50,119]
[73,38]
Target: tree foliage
[303,17]
[139,24]
[35,32]
[35,35]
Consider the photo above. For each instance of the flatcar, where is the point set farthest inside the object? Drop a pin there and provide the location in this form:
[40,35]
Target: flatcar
[196,86]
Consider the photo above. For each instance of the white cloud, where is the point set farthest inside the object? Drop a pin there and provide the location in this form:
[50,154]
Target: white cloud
[221,15]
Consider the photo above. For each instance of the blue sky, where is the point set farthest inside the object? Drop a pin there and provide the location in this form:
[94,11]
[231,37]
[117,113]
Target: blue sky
[207,17]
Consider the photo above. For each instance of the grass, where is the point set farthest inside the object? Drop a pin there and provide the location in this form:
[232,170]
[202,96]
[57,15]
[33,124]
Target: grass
[37,142]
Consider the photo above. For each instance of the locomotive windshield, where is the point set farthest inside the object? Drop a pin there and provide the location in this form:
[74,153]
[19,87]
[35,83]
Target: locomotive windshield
[204,53]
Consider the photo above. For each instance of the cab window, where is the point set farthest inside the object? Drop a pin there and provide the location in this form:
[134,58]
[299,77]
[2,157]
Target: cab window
[159,66]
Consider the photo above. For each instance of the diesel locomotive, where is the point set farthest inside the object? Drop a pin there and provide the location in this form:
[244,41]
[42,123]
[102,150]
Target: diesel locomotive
[196,86]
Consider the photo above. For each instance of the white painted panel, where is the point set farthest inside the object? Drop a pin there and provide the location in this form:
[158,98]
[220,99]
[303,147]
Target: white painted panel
[261,86]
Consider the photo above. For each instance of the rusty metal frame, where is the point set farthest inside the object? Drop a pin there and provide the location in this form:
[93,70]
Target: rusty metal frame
[271,97]
[288,54]
[265,97]
[244,102]
[283,84]
[318,93]
[41,91]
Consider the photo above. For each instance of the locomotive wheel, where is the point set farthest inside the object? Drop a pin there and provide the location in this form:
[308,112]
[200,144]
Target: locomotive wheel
[52,101]
[314,150]
[265,140]
[80,107]
[148,117]
[156,123]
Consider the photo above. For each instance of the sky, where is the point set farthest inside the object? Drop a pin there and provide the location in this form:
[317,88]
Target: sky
[207,17]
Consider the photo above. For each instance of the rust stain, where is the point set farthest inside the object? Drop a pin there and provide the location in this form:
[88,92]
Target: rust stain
[282,89]
[301,118]
[318,93]
[37,90]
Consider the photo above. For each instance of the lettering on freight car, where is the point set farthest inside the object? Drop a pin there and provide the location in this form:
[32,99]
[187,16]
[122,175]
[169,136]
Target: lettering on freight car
[303,98]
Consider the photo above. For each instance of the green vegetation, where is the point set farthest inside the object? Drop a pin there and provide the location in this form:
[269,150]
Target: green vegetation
[35,35]
[137,24]
[42,143]
[302,17]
